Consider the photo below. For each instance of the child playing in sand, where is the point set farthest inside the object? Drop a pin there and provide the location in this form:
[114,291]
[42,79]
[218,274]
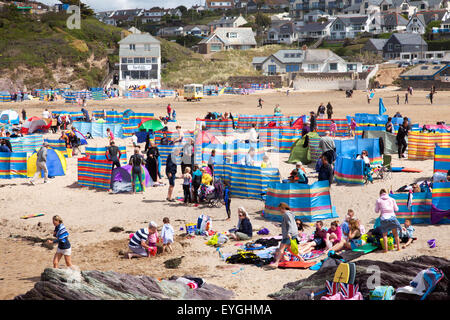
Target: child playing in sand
[406,234]
[317,243]
[167,235]
[187,178]
[62,238]
[333,128]
[143,242]
[266,163]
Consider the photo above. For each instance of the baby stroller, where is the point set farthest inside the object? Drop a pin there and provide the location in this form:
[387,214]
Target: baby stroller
[213,196]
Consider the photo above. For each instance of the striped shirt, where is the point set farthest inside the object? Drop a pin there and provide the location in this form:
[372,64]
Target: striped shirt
[140,235]
[62,237]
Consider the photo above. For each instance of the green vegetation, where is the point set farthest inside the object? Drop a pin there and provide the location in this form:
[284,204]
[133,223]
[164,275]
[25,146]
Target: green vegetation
[187,67]
[27,41]
[436,45]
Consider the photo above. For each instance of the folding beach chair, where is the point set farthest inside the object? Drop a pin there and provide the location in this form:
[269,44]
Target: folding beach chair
[385,171]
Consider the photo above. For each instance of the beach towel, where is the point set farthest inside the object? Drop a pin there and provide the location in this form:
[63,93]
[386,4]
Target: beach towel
[423,283]
[295,264]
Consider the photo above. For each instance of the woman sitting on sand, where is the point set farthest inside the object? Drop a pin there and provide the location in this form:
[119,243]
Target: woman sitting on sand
[244,228]
[143,241]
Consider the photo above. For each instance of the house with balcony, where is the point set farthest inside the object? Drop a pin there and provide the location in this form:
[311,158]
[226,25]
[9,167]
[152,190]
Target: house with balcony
[227,22]
[403,42]
[197,30]
[119,17]
[170,32]
[140,61]
[283,34]
[306,61]
[154,14]
[349,26]
[315,30]
[299,8]
[219,4]
[420,20]
[228,39]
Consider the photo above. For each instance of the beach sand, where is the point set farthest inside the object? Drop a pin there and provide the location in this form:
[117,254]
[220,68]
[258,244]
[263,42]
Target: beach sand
[89,213]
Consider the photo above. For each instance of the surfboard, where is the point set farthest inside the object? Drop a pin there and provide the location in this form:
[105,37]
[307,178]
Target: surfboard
[411,170]
[342,273]
[352,276]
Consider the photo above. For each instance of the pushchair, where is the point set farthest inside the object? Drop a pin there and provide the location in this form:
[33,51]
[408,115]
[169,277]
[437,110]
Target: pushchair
[212,196]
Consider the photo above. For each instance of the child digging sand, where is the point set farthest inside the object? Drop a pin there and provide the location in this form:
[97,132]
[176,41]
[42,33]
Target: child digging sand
[62,238]
[167,235]
[143,242]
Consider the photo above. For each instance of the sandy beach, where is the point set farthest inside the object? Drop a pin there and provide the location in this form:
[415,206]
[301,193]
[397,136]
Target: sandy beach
[89,214]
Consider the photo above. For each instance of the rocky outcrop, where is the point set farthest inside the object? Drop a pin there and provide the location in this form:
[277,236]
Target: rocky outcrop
[67,284]
[396,274]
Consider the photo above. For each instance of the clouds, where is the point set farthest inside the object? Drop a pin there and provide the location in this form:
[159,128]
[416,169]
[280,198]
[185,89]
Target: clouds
[104,5]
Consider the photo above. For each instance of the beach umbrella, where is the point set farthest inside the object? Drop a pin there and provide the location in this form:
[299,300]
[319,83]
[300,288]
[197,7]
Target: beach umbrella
[153,124]
[381,107]
[206,137]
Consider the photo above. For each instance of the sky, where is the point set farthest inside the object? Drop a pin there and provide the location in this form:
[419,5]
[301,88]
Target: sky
[104,5]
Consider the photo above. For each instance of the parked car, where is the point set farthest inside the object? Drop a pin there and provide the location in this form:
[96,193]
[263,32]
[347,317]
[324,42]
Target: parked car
[404,64]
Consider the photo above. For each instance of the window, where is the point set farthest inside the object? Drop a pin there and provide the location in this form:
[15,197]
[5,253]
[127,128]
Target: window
[333,66]
[397,47]
[132,47]
[147,47]
[286,55]
[232,34]
[299,55]
[351,67]
[390,47]
[313,67]
[292,68]
[124,60]
[148,60]
[136,60]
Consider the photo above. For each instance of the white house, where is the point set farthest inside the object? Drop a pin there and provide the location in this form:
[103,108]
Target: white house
[140,61]
[283,34]
[420,20]
[309,61]
[315,30]
[349,26]
[227,22]
[228,39]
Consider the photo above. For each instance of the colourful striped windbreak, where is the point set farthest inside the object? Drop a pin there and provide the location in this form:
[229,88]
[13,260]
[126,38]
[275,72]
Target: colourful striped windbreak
[341,125]
[308,202]
[441,201]
[420,210]
[13,165]
[114,117]
[59,145]
[234,152]
[441,159]
[27,143]
[100,154]
[349,171]
[438,128]
[138,117]
[421,145]
[245,121]
[99,129]
[94,173]
[218,127]
[351,148]
[165,150]
[247,182]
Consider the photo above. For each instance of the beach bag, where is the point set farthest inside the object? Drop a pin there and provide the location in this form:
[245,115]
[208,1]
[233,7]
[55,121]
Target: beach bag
[294,247]
[204,223]
[382,293]
[213,240]
[423,283]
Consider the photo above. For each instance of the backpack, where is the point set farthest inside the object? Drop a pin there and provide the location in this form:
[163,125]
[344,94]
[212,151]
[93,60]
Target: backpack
[382,293]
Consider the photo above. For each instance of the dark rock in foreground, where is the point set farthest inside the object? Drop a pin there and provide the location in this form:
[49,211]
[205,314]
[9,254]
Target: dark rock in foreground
[396,274]
[67,284]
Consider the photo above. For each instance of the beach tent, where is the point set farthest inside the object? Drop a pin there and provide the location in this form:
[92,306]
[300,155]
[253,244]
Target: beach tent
[152,124]
[303,154]
[441,160]
[9,116]
[121,179]
[56,163]
[34,124]
[83,139]
[13,165]
[389,140]
[246,181]
[308,202]
[349,170]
